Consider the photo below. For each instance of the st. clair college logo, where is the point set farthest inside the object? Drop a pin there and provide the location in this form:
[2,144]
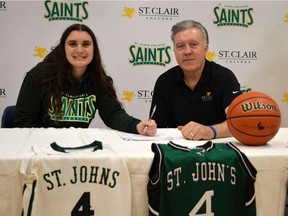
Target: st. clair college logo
[73,10]
[228,15]
[152,13]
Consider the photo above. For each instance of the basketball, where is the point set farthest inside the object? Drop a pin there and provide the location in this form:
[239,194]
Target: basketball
[253,118]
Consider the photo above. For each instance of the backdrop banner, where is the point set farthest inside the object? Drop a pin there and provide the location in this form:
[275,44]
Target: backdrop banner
[248,37]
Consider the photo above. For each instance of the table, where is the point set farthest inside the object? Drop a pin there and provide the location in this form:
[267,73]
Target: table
[270,160]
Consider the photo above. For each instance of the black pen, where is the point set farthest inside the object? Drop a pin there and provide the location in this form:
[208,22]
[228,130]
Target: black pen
[150,117]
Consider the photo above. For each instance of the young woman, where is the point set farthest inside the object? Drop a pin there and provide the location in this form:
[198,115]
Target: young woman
[70,85]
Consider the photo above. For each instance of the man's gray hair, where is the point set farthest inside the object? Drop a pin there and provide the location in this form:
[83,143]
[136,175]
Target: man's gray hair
[187,24]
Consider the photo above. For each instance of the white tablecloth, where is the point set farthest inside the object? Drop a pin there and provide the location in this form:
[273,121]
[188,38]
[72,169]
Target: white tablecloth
[270,160]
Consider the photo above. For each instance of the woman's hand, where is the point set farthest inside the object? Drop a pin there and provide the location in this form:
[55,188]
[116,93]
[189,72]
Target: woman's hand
[147,127]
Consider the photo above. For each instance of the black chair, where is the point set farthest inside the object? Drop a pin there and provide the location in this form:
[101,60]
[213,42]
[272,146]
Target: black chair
[8,117]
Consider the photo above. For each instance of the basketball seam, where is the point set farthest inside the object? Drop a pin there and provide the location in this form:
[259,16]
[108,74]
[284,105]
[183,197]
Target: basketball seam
[252,135]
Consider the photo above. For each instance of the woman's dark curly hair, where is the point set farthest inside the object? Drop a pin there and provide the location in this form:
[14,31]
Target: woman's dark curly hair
[55,79]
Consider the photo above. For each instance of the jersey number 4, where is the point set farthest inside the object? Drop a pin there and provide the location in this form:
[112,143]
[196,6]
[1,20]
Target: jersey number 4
[207,197]
[82,207]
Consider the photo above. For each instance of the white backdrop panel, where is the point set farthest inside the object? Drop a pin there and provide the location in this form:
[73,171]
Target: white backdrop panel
[257,54]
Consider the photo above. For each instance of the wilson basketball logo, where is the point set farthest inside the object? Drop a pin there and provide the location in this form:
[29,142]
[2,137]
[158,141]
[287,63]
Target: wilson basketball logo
[257,106]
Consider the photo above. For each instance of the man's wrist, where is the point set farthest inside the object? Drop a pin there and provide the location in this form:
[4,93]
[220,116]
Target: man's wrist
[214,131]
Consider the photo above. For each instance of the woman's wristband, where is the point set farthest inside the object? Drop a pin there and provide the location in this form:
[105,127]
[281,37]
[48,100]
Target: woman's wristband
[214,131]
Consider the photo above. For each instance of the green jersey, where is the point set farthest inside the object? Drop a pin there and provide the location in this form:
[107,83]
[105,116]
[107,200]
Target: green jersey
[209,180]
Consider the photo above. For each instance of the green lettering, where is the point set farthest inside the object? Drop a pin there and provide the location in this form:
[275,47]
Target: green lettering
[167,54]
[139,55]
[55,10]
[234,16]
[216,15]
[85,10]
[68,11]
[77,9]
[152,55]
[132,54]
[223,16]
[47,9]
[250,16]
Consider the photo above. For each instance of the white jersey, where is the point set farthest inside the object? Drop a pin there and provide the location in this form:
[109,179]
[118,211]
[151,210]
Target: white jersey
[89,180]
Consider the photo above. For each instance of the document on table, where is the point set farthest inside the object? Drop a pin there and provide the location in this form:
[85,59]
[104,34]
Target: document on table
[160,135]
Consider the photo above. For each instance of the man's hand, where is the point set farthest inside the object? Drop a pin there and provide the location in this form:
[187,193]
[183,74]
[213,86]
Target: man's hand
[196,131]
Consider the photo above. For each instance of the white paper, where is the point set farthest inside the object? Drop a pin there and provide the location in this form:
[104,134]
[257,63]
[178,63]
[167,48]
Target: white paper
[160,135]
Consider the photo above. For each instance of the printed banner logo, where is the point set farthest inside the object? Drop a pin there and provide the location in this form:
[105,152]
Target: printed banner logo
[74,10]
[233,56]
[149,54]
[152,13]
[142,94]
[231,15]
[236,56]
[158,13]
[40,52]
